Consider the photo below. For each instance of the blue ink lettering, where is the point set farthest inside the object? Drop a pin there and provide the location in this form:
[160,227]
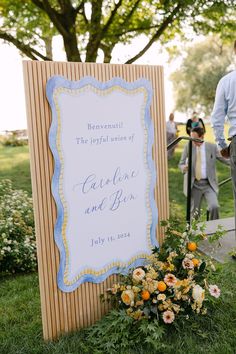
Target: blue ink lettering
[119,198]
[100,207]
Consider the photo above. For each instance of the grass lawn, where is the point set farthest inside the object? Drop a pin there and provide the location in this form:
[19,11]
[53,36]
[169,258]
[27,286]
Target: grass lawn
[20,315]
[14,162]
[21,329]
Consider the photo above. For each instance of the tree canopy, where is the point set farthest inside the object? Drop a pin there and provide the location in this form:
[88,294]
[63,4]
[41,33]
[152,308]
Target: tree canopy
[89,26]
[195,81]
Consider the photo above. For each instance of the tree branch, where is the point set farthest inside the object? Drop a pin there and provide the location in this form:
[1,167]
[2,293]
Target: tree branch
[81,12]
[54,16]
[24,48]
[158,33]
[80,7]
[128,17]
[110,20]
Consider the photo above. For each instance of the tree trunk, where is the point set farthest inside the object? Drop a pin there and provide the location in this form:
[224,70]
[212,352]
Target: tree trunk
[48,47]
[71,48]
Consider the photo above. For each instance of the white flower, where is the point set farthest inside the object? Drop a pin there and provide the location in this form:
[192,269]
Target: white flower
[189,255]
[138,274]
[161,297]
[214,291]
[168,316]
[198,294]
[170,279]
[187,263]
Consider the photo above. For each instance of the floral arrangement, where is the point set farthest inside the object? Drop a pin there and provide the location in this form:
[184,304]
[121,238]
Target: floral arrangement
[175,281]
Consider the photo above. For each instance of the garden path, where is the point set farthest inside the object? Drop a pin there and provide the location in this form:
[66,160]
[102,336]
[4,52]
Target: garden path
[219,250]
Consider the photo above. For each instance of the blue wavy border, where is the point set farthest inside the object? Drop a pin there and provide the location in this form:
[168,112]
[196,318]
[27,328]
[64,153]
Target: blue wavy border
[59,81]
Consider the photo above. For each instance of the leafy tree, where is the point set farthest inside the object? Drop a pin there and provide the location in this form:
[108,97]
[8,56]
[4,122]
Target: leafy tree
[216,20]
[87,26]
[27,27]
[195,81]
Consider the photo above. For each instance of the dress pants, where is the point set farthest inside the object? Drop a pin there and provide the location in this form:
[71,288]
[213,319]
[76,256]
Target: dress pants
[202,189]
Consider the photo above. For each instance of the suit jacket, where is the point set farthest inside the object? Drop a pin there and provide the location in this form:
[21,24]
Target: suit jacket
[212,154]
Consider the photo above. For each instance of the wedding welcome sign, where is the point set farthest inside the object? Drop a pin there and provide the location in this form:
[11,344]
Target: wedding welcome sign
[93,129]
[101,137]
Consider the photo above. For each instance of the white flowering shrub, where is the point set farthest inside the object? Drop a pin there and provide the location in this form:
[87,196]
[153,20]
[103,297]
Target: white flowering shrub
[17,235]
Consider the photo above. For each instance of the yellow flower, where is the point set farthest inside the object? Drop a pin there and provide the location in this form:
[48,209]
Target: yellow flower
[139,303]
[161,307]
[186,289]
[151,273]
[176,233]
[150,285]
[136,289]
[127,297]
[115,288]
[169,266]
[176,308]
[185,286]
[185,297]
[173,254]
[167,304]
[129,311]
[178,295]
[204,311]
[137,315]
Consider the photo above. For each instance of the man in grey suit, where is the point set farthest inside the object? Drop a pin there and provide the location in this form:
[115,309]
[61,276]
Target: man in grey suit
[204,180]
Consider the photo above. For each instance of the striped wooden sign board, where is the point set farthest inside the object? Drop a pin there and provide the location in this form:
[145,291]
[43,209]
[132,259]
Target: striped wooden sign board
[68,311]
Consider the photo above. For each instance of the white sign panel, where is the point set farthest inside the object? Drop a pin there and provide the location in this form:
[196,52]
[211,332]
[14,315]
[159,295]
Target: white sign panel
[101,138]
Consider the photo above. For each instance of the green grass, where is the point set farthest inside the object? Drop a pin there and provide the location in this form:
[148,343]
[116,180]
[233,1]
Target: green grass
[14,162]
[21,329]
[20,315]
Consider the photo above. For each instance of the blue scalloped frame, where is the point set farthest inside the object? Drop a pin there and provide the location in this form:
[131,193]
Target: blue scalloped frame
[56,82]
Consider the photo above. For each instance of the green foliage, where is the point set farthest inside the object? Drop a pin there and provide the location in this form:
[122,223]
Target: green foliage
[233,252]
[218,19]
[196,80]
[21,324]
[13,140]
[17,237]
[124,334]
[89,26]
[31,27]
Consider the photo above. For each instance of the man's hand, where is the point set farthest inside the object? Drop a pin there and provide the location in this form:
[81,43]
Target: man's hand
[225,152]
[185,168]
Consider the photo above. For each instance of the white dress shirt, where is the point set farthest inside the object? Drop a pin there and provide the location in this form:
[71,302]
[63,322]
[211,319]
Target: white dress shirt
[202,148]
[225,105]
